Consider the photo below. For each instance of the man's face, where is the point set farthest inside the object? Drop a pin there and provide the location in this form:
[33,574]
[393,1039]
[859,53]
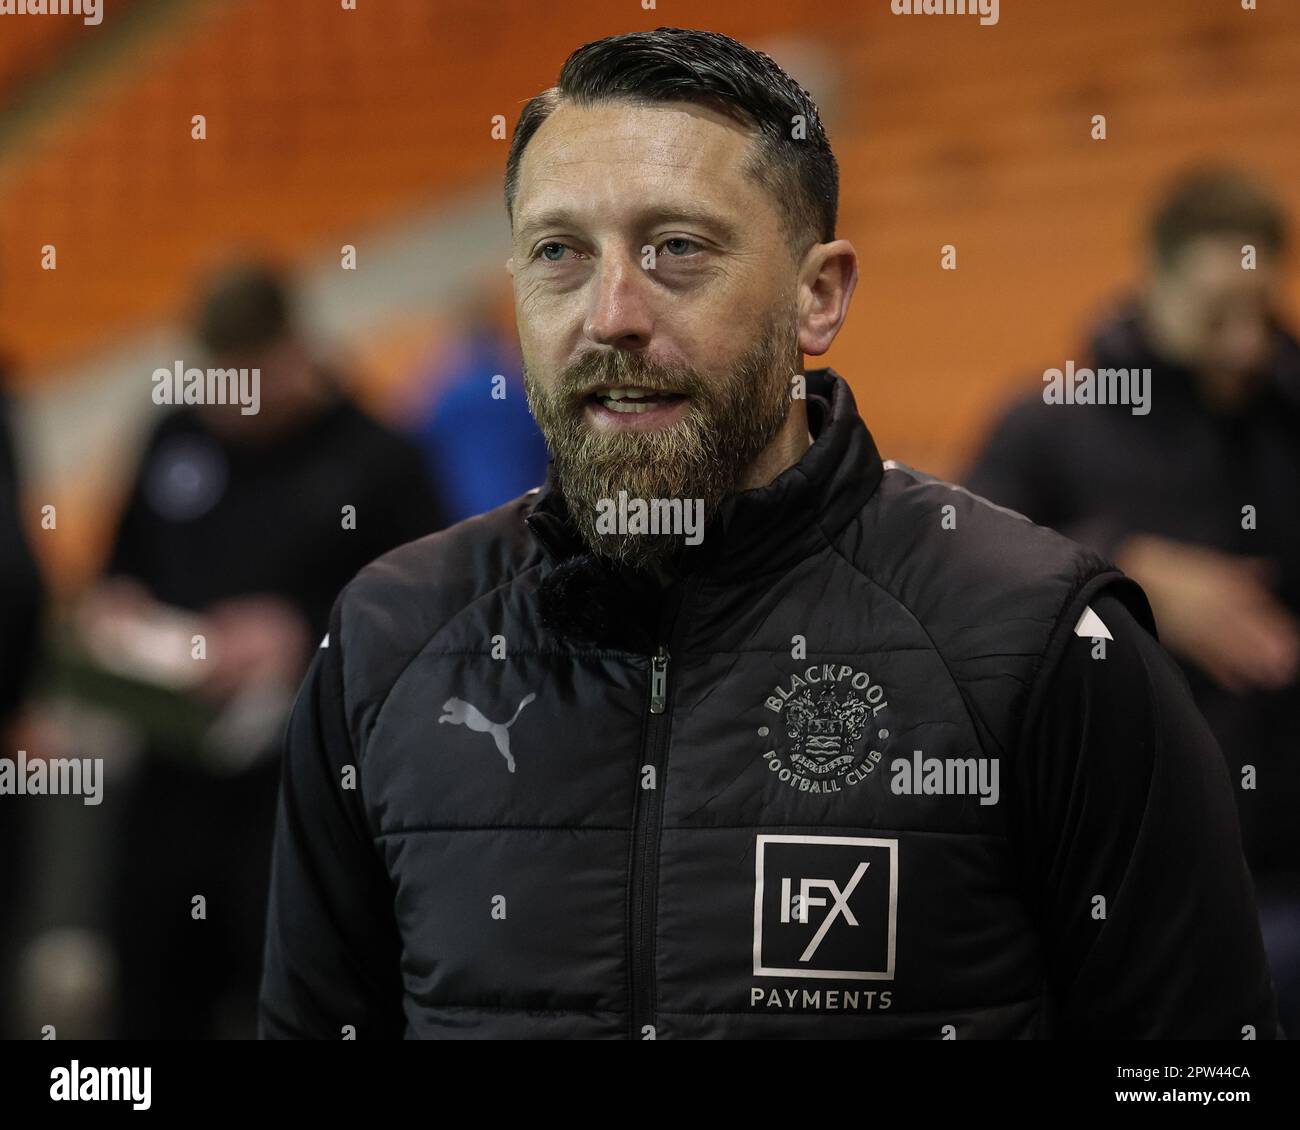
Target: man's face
[1213,313]
[663,372]
[287,382]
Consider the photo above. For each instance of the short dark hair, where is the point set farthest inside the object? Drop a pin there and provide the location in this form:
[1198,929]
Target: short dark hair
[672,64]
[1215,201]
[243,307]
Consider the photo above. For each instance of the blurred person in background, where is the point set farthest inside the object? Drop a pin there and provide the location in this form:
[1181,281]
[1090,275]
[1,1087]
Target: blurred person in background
[1165,495]
[480,441]
[21,604]
[237,528]
[21,590]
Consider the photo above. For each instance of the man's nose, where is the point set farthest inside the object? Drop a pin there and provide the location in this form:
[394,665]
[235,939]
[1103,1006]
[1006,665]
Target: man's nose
[620,314]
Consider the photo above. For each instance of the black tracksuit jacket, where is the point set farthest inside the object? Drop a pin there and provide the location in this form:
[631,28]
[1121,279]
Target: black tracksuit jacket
[887,762]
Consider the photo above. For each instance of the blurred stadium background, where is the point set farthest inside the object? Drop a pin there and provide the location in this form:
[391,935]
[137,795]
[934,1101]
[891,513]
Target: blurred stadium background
[373,128]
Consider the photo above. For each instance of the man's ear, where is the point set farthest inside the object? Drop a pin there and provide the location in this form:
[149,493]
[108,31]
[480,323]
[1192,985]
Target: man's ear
[510,266]
[830,274]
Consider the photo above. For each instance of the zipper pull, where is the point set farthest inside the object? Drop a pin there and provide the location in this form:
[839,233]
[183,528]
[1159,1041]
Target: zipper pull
[659,681]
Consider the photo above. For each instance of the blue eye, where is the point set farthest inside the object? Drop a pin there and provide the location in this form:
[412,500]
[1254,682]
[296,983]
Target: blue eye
[677,247]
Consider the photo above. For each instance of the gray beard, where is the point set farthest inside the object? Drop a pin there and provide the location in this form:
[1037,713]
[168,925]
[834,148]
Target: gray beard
[703,456]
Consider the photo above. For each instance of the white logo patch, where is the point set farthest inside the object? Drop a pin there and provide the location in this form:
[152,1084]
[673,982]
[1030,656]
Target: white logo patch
[1091,626]
[462,713]
[825,906]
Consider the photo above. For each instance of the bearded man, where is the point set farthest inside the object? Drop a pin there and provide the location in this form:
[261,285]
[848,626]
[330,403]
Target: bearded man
[873,758]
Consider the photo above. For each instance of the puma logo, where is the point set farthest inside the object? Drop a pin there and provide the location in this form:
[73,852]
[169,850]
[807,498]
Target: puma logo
[462,713]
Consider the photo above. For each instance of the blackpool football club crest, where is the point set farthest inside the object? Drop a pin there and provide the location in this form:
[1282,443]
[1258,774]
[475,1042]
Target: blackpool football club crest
[828,728]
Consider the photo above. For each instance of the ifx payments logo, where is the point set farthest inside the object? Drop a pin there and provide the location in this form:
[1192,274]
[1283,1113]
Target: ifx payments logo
[825,907]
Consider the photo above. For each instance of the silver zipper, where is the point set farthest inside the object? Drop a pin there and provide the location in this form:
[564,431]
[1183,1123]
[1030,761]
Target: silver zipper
[659,681]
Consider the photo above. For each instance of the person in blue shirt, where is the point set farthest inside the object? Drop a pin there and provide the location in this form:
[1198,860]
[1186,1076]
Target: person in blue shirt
[481,443]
